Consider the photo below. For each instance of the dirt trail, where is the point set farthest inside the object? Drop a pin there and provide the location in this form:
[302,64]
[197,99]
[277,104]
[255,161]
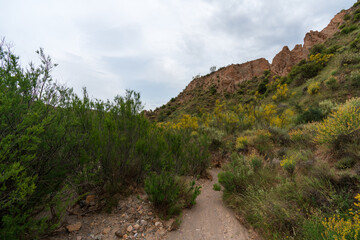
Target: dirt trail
[209,218]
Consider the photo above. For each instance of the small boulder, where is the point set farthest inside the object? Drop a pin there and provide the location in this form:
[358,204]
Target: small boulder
[90,200]
[129,228]
[74,227]
[136,226]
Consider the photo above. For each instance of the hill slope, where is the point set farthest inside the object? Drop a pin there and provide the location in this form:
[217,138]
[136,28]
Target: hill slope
[226,82]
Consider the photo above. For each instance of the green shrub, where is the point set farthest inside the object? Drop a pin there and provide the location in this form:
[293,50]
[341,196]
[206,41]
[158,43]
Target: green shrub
[327,106]
[261,141]
[355,44]
[216,187]
[49,135]
[301,72]
[311,115]
[332,49]
[256,163]
[169,194]
[189,193]
[332,83]
[279,136]
[357,17]
[312,228]
[236,175]
[354,78]
[349,29]
[318,48]
[347,17]
[164,192]
[346,162]
[350,59]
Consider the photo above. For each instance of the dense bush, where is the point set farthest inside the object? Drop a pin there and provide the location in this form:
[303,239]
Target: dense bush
[354,79]
[313,88]
[344,121]
[48,135]
[169,193]
[37,148]
[349,29]
[236,175]
[300,73]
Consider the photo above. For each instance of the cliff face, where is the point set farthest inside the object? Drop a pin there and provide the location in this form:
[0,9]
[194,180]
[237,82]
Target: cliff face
[226,79]
[286,59]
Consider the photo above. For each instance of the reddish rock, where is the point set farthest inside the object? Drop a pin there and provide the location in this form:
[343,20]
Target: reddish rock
[74,227]
[90,199]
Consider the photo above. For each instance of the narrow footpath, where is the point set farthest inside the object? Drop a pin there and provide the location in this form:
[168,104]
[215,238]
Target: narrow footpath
[209,219]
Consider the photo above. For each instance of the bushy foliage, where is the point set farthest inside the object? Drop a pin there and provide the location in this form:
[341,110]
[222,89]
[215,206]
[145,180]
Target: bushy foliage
[256,162]
[313,88]
[216,187]
[282,92]
[313,114]
[34,143]
[309,69]
[236,175]
[344,121]
[349,29]
[49,135]
[354,79]
[327,106]
[350,58]
[289,164]
[170,194]
[338,227]
[241,143]
[303,134]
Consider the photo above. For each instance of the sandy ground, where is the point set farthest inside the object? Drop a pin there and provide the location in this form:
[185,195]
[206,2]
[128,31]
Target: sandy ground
[209,218]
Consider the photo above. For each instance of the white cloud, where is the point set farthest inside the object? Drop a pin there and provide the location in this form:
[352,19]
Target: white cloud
[155,46]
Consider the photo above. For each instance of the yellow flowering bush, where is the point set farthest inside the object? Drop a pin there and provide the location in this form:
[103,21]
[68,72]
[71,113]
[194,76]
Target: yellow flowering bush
[241,143]
[338,228]
[282,92]
[265,112]
[284,120]
[313,88]
[288,163]
[321,58]
[185,122]
[344,121]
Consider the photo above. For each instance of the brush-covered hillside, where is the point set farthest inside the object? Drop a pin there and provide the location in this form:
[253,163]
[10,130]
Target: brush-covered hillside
[289,132]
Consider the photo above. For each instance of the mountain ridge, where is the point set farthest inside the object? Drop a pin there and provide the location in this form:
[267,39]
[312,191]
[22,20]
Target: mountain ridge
[226,80]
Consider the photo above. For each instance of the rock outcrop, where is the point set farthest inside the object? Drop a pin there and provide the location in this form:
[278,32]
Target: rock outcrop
[286,59]
[226,79]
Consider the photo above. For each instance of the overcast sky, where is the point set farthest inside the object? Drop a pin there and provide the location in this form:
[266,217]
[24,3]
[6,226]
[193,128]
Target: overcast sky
[155,47]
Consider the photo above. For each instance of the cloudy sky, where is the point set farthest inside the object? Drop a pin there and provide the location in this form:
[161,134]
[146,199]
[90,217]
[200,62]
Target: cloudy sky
[155,46]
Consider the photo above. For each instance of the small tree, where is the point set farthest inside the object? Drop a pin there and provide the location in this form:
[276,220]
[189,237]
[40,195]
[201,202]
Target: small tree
[213,69]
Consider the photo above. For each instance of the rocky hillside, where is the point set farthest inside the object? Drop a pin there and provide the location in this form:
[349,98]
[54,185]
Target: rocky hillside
[203,91]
